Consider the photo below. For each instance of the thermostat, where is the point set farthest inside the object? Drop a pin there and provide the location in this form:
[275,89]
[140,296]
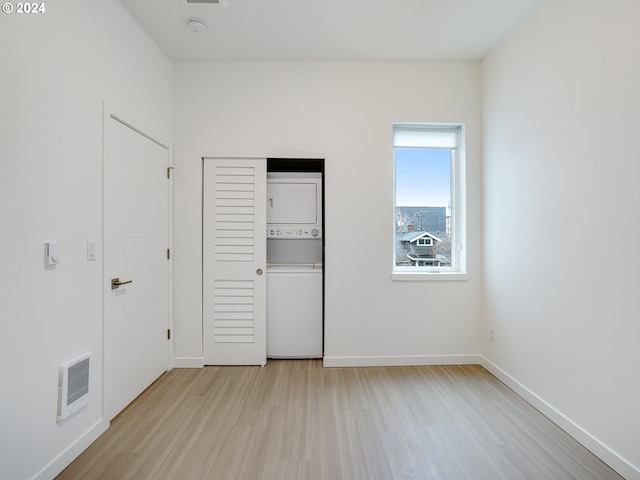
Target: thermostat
[51,253]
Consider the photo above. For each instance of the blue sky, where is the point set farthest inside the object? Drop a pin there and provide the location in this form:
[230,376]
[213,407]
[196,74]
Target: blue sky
[423,177]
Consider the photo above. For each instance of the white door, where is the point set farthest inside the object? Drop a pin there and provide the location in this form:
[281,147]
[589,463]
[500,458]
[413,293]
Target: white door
[234,256]
[136,239]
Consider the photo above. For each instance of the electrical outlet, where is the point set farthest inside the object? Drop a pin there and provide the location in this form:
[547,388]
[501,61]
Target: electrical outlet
[492,334]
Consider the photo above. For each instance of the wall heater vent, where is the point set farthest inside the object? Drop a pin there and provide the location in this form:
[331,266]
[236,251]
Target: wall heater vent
[73,385]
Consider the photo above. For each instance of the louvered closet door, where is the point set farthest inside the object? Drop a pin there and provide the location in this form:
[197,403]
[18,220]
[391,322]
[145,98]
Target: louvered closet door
[234,276]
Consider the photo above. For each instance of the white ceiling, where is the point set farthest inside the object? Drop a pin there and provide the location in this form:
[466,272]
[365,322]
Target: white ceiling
[330,29]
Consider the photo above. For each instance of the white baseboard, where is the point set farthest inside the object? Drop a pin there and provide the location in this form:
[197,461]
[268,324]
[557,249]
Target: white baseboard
[595,446]
[188,362]
[401,360]
[63,460]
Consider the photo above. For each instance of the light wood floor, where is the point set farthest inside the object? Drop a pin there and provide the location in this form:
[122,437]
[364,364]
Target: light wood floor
[297,420]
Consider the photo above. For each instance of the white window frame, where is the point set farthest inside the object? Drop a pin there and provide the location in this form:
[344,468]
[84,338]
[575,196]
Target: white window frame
[412,139]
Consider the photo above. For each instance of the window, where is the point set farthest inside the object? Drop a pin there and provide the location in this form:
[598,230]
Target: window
[428,214]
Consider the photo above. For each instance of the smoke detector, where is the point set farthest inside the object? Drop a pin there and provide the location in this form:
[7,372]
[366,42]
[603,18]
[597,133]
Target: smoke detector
[223,3]
[196,26]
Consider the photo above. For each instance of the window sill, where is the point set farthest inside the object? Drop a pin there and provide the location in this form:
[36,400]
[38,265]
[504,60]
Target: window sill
[429,277]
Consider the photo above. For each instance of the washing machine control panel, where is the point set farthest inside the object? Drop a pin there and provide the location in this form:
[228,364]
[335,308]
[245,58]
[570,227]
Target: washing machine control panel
[293,232]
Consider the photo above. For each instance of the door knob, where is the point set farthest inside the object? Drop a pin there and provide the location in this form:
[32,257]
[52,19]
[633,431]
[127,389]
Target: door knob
[259,271]
[115,283]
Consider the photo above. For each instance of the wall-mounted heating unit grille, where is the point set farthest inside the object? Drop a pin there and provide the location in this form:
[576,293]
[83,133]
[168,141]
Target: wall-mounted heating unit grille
[73,385]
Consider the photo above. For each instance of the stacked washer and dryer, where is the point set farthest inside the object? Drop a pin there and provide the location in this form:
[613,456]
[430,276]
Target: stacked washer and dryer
[294,265]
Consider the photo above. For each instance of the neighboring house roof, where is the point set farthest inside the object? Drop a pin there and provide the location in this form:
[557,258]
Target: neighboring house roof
[413,235]
[420,258]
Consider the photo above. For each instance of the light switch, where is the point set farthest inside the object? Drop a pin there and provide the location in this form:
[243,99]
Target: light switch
[51,254]
[91,250]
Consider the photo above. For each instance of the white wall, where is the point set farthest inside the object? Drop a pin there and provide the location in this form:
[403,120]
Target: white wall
[57,67]
[561,224]
[342,112]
